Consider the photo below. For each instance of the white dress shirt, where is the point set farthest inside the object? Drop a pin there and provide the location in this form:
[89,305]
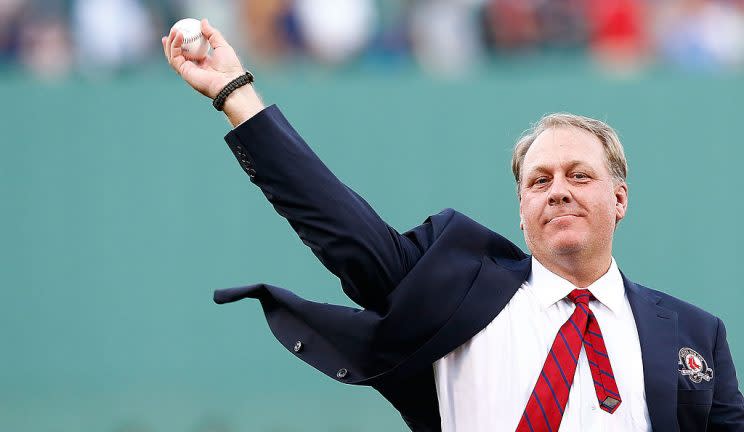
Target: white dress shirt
[484,384]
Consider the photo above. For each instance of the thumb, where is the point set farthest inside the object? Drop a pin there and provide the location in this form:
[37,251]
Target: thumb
[215,38]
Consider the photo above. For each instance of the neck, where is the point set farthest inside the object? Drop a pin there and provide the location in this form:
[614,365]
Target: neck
[582,271]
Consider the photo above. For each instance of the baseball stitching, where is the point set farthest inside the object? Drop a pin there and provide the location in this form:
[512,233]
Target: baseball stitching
[190,39]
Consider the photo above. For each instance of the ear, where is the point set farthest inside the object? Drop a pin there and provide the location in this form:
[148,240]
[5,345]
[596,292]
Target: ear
[521,217]
[621,201]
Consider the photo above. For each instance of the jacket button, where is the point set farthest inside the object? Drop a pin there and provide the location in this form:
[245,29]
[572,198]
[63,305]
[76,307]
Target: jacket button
[297,346]
[342,373]
[251,172]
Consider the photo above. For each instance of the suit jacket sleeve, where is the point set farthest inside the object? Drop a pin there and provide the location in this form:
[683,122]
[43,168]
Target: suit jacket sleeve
[341,228]
[727,410]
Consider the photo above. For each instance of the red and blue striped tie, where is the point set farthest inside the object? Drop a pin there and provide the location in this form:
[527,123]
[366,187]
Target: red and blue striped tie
[545,407]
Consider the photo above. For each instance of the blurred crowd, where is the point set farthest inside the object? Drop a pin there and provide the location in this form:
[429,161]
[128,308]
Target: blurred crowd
[53,38]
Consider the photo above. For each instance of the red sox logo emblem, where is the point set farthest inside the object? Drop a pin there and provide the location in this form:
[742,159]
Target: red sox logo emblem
[694,365]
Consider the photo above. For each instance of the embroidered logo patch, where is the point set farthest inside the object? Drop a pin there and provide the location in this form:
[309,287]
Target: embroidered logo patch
[694,365]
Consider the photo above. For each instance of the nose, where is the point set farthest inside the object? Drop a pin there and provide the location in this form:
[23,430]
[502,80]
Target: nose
[559,192]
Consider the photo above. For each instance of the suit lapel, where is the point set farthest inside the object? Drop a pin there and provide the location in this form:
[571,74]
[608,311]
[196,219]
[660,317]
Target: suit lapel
[657,332]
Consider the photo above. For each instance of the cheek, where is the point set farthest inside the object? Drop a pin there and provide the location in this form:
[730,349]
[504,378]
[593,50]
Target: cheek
[528,212]
[605,212]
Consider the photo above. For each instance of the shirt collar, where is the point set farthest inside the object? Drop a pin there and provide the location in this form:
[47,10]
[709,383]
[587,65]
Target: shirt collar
[551,288]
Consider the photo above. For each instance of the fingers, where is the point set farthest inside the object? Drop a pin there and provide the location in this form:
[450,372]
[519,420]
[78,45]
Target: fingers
[167,45]
[172,48]
[176,45]
[213,35]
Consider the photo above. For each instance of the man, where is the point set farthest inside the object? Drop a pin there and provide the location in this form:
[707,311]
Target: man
[459,329]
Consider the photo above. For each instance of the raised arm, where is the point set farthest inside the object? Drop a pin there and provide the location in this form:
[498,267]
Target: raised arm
[343,231]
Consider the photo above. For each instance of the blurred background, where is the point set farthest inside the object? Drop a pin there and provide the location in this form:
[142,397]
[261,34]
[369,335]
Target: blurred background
[55,38]
[122,208]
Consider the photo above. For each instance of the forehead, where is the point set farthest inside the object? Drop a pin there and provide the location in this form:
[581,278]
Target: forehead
[558,146]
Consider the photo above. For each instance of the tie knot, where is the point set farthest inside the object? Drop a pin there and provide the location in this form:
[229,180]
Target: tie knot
[580,296]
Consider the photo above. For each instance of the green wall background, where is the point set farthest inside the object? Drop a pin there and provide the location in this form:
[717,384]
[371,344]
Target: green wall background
[123,208]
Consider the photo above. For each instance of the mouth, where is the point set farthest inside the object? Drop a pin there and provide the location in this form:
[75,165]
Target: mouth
[562,218]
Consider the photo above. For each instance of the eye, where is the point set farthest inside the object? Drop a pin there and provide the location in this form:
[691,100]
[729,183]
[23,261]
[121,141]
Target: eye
[580,176]
[540,180]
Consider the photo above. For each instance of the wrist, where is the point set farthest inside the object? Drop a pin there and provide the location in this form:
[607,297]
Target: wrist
[218,102]
[242,104]
[238,99]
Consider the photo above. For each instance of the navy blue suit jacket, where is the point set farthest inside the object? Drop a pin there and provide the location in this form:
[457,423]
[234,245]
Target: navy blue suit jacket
[425,292]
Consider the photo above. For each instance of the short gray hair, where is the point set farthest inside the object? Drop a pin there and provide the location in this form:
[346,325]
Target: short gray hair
[615,155]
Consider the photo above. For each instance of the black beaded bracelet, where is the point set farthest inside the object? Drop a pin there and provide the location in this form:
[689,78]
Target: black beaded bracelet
[219,101]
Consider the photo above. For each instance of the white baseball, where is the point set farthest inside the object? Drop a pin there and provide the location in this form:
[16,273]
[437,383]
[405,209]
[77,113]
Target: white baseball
[195,45]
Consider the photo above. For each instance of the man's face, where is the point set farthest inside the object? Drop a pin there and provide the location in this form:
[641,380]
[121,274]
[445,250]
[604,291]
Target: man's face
[569,203]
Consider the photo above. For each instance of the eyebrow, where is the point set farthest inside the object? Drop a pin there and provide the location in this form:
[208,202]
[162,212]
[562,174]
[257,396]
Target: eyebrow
[570,164]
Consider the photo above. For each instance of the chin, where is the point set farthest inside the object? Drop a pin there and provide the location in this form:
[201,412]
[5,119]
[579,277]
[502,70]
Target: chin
[566,244]
[568,250]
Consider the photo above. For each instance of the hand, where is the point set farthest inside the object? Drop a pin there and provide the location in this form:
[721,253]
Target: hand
[212,73]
